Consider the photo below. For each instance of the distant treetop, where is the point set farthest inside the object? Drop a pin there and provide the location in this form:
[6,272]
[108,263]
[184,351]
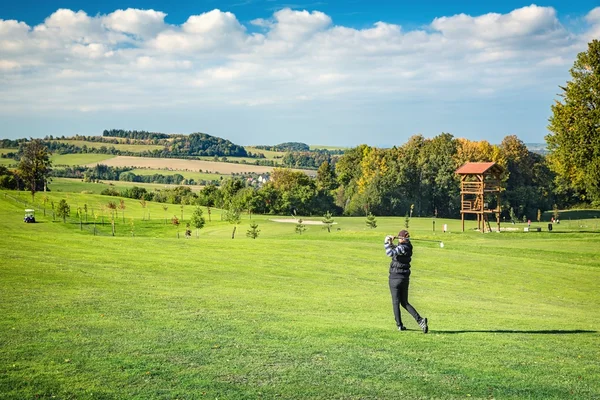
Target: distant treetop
[134,134]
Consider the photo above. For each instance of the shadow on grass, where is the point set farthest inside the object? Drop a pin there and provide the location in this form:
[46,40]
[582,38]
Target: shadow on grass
[573,231]
[538,332]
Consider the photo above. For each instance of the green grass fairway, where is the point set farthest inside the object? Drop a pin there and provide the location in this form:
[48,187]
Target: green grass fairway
[512,315]
[78,159]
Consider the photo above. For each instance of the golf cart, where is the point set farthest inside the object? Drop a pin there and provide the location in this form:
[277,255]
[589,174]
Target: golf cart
[29,216]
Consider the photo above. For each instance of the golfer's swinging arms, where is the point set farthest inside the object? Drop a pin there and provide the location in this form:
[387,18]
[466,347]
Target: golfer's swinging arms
[400,277]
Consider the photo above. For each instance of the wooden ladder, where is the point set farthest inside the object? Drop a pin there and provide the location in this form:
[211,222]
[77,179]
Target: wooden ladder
[486,223]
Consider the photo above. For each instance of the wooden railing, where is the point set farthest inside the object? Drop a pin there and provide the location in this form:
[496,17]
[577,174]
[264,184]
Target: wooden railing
[471,205]
[473,187]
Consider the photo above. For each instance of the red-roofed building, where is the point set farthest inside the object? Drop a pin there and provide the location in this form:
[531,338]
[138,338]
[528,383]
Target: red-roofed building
[480,186]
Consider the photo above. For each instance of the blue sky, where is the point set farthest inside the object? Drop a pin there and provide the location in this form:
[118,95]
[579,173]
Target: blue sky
[268,71]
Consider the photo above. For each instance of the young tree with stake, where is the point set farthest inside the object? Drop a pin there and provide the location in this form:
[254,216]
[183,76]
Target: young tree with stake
[63,210]
[197,220]
[328,221]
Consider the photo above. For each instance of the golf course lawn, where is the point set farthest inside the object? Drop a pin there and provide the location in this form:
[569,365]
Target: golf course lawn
[148,315]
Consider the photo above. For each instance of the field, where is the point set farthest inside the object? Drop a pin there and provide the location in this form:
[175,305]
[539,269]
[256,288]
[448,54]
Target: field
[79,159]
[269,155]
[135,148]
[190,165]
[319,147]
[77,185]
[196,176]
[513,315]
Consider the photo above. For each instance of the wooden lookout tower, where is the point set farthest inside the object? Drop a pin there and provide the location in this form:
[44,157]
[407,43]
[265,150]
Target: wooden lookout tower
[480,185]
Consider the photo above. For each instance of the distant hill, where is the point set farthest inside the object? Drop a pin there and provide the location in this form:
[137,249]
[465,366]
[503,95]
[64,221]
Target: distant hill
[148,144]
[539,148]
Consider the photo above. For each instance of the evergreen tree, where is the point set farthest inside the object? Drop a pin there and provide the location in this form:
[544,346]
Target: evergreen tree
[253,231]
[300,227]
[328,221]
[371,221]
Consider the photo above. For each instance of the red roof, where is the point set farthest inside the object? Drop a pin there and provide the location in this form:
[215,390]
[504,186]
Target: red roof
[478,168]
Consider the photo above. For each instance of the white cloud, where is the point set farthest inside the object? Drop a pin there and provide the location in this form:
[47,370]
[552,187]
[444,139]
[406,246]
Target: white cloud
[141,23]
[593,18]
[299,56]
[292,25]
[214,30]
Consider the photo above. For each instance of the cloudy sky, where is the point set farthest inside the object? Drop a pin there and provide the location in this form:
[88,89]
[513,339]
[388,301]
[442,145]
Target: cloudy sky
[265,71]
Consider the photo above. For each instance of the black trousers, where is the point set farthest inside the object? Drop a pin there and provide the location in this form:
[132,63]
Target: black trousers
[399,290]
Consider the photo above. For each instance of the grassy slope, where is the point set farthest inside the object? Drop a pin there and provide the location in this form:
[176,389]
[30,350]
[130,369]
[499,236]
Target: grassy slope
[513,315]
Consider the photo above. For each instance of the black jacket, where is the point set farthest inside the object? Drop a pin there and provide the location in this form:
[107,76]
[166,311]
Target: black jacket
[401,256]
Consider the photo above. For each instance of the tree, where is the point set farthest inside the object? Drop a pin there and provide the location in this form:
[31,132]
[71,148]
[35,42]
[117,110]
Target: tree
[371,221]
[165,207]
[253,231]
[143,204]
[35,165]
[197,219]
[122,208]
[300,227]
[325,177]
[63,210]
[574,138]
[44,201]
[7,178]
[328,221]
[112,206]
[232,215]
[80,216]
[513,217]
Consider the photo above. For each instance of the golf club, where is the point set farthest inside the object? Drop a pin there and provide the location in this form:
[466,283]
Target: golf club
[426,240]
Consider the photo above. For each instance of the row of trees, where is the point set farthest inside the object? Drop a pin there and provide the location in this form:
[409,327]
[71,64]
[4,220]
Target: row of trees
[308,159]
[138,135]
[421,173]
[287,146]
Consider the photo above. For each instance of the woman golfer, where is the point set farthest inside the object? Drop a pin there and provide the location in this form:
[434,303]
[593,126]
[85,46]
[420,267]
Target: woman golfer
[399,278]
